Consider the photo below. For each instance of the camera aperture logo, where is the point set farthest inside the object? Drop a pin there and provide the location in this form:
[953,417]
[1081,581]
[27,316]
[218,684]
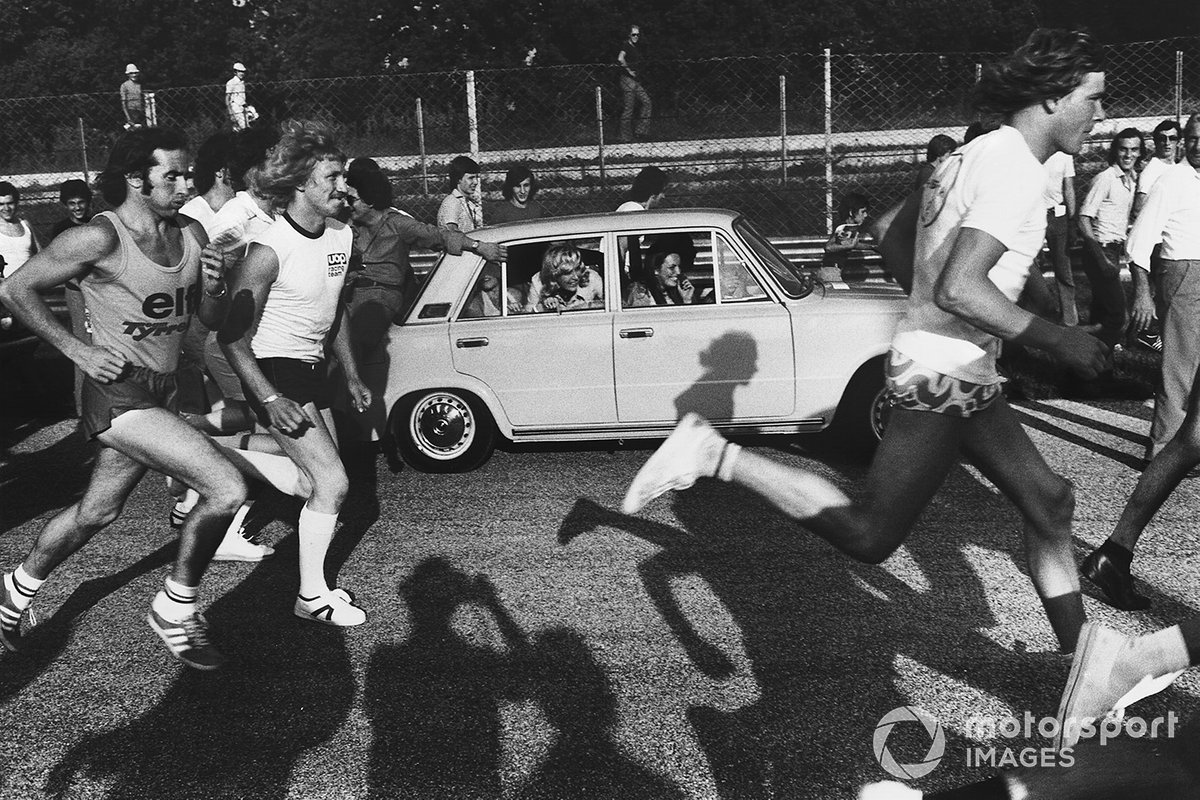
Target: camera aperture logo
[908,714]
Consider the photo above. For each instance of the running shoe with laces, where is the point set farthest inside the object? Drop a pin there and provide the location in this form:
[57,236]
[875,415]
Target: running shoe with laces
[236,546]
[335,608]
[690,452]
[10,620]
[187,640]
[1152,341]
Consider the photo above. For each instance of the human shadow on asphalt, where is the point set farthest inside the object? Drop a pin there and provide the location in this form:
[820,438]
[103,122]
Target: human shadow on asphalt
[239,731]
[823,633]
[45,480]
[434,701]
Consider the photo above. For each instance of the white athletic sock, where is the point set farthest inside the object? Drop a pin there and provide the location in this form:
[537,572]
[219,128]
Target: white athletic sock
[21,587]
[316,532]
[729,454]
[175,602]
[279,471]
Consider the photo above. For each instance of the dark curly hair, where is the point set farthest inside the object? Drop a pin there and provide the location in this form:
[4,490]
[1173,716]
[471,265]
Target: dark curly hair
[1050,64]
[513,179]
[133,153]
[1127,133]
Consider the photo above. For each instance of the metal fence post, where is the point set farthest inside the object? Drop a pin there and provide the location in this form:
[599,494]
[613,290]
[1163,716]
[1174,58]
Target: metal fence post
[83,152]
[828,144]
[783,128]
[472,119]
[600,132]
[421,148]
[1179,87]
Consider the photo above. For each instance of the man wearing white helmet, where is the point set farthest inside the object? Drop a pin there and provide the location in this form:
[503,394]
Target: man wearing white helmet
[132,103]
[235,96]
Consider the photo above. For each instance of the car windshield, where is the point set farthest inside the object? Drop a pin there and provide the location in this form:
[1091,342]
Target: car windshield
[794,281]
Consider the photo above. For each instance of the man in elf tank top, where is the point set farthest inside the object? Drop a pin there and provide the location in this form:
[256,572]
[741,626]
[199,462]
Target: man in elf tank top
[286,308]
[143,275]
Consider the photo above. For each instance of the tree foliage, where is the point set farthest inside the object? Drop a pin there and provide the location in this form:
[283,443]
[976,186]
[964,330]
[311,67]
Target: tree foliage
[64,46]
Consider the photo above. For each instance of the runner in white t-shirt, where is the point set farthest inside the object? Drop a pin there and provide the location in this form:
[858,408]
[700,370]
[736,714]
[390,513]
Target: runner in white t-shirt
[970,239]
[286,301]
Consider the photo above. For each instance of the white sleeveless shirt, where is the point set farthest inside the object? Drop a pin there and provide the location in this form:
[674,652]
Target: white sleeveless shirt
[303,300]
[16,250]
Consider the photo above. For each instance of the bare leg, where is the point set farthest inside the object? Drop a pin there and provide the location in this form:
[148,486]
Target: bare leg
[999,446]
[1160,478]
[917,452]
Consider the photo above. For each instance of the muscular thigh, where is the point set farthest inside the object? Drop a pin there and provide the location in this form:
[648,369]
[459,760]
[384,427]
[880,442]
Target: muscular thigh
[160,440]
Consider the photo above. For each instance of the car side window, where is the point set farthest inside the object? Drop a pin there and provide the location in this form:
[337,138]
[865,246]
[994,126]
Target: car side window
[735,283]
[555,276]
[676,269]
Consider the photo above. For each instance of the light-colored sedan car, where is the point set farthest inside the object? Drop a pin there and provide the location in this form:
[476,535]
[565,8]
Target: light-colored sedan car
[760,346]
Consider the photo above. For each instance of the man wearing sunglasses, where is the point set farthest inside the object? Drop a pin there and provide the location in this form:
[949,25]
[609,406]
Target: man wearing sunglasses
[634,95]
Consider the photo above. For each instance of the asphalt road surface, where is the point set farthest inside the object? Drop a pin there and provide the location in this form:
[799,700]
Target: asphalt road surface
[525,639]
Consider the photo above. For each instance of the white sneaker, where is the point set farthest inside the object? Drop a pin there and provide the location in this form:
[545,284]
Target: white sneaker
[183,507]
[1098,685]
[690,452]
[236,547]
[336,608]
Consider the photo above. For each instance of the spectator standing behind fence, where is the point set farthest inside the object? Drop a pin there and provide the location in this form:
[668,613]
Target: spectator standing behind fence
[1104,223]
[133,105]
[939,147]
[18,242]
[462,209]
[520,186]
[76,197]
[633,94]
[1167,138]
[1060,209]
[235,97]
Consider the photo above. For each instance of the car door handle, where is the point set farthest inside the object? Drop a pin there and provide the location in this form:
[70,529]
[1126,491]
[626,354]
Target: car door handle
[475,341]
[637,333]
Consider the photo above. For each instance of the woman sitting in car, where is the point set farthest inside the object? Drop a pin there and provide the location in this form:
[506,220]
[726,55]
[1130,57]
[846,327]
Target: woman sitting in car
[664,285]
[565,284]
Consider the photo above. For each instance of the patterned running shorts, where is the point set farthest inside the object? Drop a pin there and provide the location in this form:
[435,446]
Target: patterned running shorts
[913,386]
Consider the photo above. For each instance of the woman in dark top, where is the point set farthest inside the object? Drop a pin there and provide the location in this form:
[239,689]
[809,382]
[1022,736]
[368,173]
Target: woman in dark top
[520,186]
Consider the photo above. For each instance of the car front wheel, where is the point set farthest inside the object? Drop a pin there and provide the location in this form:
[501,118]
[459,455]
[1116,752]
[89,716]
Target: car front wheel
[443,431]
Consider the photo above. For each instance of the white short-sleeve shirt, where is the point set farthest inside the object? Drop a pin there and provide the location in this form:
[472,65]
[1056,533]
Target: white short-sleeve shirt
[993,184]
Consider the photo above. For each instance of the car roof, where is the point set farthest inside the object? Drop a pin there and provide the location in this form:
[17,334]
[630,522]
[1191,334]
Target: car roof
[610,220]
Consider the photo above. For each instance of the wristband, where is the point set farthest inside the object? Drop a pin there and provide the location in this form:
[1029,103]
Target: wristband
[221,293]
[270,399]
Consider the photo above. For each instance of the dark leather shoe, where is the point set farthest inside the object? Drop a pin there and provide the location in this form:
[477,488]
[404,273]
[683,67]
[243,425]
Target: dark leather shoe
[1114,582]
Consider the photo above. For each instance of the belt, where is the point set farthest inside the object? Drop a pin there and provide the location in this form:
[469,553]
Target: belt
[367,283]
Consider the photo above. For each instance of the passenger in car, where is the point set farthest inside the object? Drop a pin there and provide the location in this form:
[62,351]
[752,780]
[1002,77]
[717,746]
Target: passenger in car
[737,283]
[665,285]
[485,298]
[591,288]
[562,281]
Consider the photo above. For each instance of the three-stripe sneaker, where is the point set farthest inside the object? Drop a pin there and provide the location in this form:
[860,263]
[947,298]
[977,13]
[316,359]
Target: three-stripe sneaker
[335,608]
[187,640]
[10,620]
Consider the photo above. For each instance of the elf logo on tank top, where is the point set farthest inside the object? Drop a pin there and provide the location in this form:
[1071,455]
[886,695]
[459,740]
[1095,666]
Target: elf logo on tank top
[159,308]
[337,264]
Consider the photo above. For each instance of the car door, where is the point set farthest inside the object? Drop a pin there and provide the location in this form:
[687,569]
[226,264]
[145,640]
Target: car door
[727,355]
[547,369]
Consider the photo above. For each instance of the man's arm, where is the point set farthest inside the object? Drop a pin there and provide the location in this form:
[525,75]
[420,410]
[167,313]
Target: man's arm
[624,64]
[249,287]
[69,256]
[360,395]
[1142,313]
[451,240]
[964,290]
[214,302]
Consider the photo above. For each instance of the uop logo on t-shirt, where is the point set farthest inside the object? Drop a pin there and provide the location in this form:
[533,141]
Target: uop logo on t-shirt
[337,264]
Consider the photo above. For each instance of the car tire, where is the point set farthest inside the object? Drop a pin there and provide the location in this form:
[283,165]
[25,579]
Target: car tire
[446,430]
[863,412]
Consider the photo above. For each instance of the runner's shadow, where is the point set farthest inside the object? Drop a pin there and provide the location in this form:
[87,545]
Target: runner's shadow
[433,700]
[35,483]
[238,731]
[577,697]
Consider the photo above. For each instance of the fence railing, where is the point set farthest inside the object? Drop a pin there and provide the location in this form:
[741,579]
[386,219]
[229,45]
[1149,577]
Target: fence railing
[778,137]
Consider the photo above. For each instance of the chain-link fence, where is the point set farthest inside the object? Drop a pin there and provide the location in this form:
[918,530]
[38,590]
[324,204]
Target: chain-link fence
[777,137]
